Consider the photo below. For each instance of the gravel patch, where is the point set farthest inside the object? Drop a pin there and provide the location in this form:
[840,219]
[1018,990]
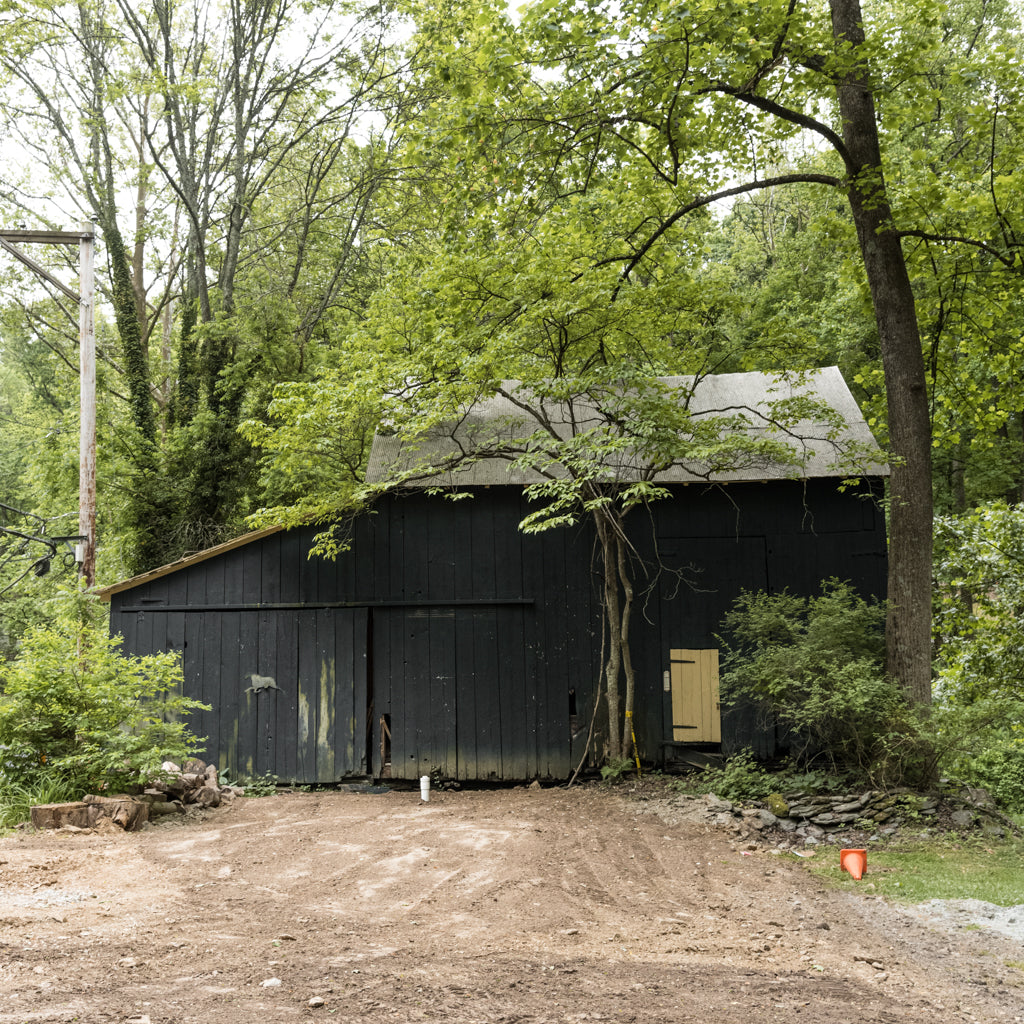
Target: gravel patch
[50,898]
[970,914]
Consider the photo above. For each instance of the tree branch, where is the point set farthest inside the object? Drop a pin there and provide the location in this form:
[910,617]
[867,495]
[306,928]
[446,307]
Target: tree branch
[751,186]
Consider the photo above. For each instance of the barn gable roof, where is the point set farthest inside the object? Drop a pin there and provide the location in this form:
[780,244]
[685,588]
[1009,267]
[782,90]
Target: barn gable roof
[823,450]
[105,593]
[497,418]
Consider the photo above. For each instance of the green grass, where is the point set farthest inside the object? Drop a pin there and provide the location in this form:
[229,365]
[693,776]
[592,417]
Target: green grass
[916,872]
[16,800]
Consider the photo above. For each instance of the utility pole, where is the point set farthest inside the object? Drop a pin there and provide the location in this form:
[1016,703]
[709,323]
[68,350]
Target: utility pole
[85,298]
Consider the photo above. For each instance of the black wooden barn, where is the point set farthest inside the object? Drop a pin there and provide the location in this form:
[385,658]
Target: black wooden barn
[444,640]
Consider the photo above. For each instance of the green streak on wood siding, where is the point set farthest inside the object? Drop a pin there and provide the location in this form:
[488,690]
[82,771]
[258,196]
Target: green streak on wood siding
[325,724]
[303,773]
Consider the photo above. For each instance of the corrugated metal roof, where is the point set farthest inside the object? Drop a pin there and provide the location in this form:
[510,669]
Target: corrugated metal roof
[495,424]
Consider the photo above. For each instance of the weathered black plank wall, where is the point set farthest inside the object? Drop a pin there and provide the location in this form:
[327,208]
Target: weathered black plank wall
[477,647]
[783,535]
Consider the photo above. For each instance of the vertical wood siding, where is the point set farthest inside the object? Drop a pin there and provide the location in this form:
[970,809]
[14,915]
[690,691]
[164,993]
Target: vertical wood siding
[470,636]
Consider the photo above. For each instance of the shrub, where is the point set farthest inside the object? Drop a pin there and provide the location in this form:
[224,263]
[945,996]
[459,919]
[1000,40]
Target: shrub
[997,767]
[814,665]
[75,711]
[740,778]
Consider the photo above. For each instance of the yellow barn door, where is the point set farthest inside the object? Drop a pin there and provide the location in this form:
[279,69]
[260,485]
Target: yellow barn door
[696,715]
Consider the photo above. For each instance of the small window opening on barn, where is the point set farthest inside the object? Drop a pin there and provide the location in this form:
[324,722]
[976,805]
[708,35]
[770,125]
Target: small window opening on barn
[385,746]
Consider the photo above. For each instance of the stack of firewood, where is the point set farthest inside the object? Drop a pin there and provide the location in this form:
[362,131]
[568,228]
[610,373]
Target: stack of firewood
[194,782]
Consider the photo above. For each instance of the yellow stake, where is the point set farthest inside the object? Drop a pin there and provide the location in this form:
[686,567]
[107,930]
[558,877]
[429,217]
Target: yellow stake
[636,756]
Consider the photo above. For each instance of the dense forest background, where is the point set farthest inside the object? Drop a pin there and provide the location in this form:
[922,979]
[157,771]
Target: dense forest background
[317,218]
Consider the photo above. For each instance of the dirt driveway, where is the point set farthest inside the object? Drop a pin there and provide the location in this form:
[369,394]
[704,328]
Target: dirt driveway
[500,906]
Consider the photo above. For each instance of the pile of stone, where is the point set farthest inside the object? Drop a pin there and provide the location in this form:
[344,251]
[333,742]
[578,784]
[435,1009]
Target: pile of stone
[866,810]
[799,818]
[958,808]
[193,783]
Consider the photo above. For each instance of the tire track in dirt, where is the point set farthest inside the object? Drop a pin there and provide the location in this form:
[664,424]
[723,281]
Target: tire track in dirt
[505,906]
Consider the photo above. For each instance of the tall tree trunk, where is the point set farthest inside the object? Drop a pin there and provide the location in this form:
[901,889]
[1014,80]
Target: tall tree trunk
[609,561]
[908,629]
[130,331]
[622,567]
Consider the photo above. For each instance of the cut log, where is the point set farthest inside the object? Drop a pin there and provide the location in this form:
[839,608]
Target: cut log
[158,807]
[208,796]
[125,811]
[59,815]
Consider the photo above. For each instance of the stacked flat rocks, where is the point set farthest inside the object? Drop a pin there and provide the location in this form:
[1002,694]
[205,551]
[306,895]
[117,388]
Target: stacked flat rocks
[869,809]
[806,819]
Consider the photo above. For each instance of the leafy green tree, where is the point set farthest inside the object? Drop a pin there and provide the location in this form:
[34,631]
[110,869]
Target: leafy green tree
[216,147]
[74,707]
[702,95]
[537,322]
[979,573]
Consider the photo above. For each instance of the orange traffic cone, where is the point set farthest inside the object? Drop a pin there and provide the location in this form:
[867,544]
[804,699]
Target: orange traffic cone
[854,861]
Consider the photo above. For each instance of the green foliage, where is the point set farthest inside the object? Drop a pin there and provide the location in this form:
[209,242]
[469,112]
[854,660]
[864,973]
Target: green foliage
[814,666]
[18,798]
[260,785]
[979,598]
[74,709]
[998,767]
[740,778]
[617,768]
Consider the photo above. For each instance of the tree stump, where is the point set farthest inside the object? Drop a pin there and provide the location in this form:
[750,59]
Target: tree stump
[125,811]
[59,815]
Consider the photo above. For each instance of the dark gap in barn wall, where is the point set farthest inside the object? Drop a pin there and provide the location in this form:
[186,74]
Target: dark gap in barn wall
[465,571]
[484,679]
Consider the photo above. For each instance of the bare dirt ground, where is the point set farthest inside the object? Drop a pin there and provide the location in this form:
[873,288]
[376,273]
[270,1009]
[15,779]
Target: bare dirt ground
[516,905]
